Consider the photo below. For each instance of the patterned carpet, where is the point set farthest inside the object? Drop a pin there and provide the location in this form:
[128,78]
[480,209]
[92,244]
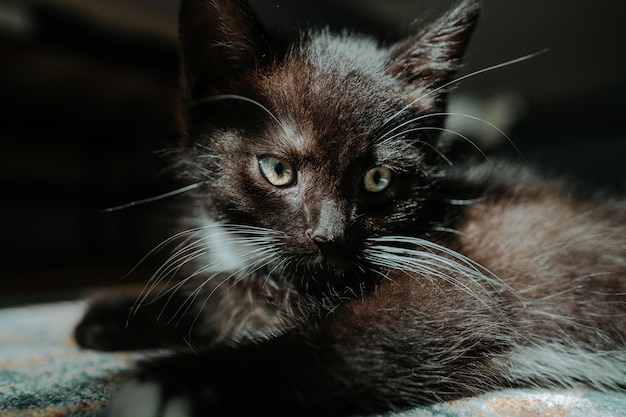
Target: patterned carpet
[44,374]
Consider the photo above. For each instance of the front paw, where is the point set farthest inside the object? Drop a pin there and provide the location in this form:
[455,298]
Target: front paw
[147,398]
[220,383]
[283,377]
[182,385]
[112,322]
[105,325]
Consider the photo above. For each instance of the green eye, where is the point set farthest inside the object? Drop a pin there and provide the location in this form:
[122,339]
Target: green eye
[377,179]
[277,171]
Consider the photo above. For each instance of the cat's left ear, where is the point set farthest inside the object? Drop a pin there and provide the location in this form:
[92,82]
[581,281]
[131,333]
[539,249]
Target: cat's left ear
[432,57]
[222,40]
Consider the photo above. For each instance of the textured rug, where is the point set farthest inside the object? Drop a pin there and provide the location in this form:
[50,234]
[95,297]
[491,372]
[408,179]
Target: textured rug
[44,374]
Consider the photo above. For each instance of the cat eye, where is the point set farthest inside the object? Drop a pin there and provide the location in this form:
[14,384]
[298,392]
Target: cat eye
[377,179]
[277,171]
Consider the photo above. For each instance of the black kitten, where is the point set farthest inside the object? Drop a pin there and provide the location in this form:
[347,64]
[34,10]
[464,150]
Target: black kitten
[336,261]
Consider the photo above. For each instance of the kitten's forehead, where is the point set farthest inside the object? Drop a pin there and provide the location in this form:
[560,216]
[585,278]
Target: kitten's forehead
[332,92]
[329,53]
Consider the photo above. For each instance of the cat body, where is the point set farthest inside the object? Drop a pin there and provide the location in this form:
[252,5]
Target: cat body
[337,260]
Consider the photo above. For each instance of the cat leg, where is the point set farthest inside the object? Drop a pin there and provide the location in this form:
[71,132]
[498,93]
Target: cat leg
[195,316]
[115,321]
[257,380]
[387,352]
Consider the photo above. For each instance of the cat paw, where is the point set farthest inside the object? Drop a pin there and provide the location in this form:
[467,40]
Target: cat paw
[146,399]
[108,325]
[181,385]
[103,329]
[277,378]
[97,335]
[221,383]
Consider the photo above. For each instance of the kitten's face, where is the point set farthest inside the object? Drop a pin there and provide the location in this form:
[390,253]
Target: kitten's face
[319,147]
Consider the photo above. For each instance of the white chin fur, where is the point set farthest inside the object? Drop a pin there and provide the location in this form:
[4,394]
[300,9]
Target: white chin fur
[225,254]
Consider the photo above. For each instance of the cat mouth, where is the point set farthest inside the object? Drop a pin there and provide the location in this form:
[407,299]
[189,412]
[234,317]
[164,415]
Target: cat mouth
[333,264]
[330,260]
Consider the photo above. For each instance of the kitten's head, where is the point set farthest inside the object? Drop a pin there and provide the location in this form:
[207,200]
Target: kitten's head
[323,145]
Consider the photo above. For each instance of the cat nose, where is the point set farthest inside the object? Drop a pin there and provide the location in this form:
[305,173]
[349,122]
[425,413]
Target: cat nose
[326,244]
[327,226]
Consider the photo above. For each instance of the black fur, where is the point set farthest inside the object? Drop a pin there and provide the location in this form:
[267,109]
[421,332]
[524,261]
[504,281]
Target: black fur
[382,274]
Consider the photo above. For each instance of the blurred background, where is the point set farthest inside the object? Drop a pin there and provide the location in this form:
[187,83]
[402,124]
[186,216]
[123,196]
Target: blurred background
[86,103]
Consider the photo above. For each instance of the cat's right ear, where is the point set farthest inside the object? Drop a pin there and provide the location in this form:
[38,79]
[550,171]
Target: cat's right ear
[431,58]
[222,41]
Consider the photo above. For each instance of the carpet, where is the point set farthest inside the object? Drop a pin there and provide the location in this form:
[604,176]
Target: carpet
[44,374]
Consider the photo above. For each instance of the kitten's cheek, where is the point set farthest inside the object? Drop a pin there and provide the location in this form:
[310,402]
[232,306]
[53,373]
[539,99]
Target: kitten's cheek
[143,399]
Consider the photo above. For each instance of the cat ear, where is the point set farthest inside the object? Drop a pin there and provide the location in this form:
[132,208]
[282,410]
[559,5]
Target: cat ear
[433,56]
[221,41]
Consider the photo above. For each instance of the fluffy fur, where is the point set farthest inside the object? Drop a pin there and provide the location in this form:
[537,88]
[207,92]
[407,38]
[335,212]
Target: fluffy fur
[368,268]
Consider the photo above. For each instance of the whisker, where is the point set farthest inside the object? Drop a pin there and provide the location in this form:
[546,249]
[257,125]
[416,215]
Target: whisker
[155,198]
[463,77]
[261,256]
[200,242]
[443,129]
[422,143]
[162,245]
[468,202]
[439,114]
[448,230]
[154,279]
[240,98]
[194,295]
[427,258]
[419,242]
[488,123]
[173,270]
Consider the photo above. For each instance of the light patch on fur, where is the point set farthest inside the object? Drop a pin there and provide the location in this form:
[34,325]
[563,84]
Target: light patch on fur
[177,407]
[332,54]
[567,366]
[291,138]
[136,399]
[226,254]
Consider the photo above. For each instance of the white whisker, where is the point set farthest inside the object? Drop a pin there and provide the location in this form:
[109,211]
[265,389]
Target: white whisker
[463,77]
[431,260]
[241,275]
[468,202]
[448,230]
[443,129]
[256,247]
[384,137]
[155,198]
[488,123]
[240,98]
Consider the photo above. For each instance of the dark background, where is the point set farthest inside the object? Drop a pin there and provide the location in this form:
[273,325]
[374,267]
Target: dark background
[87,90]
